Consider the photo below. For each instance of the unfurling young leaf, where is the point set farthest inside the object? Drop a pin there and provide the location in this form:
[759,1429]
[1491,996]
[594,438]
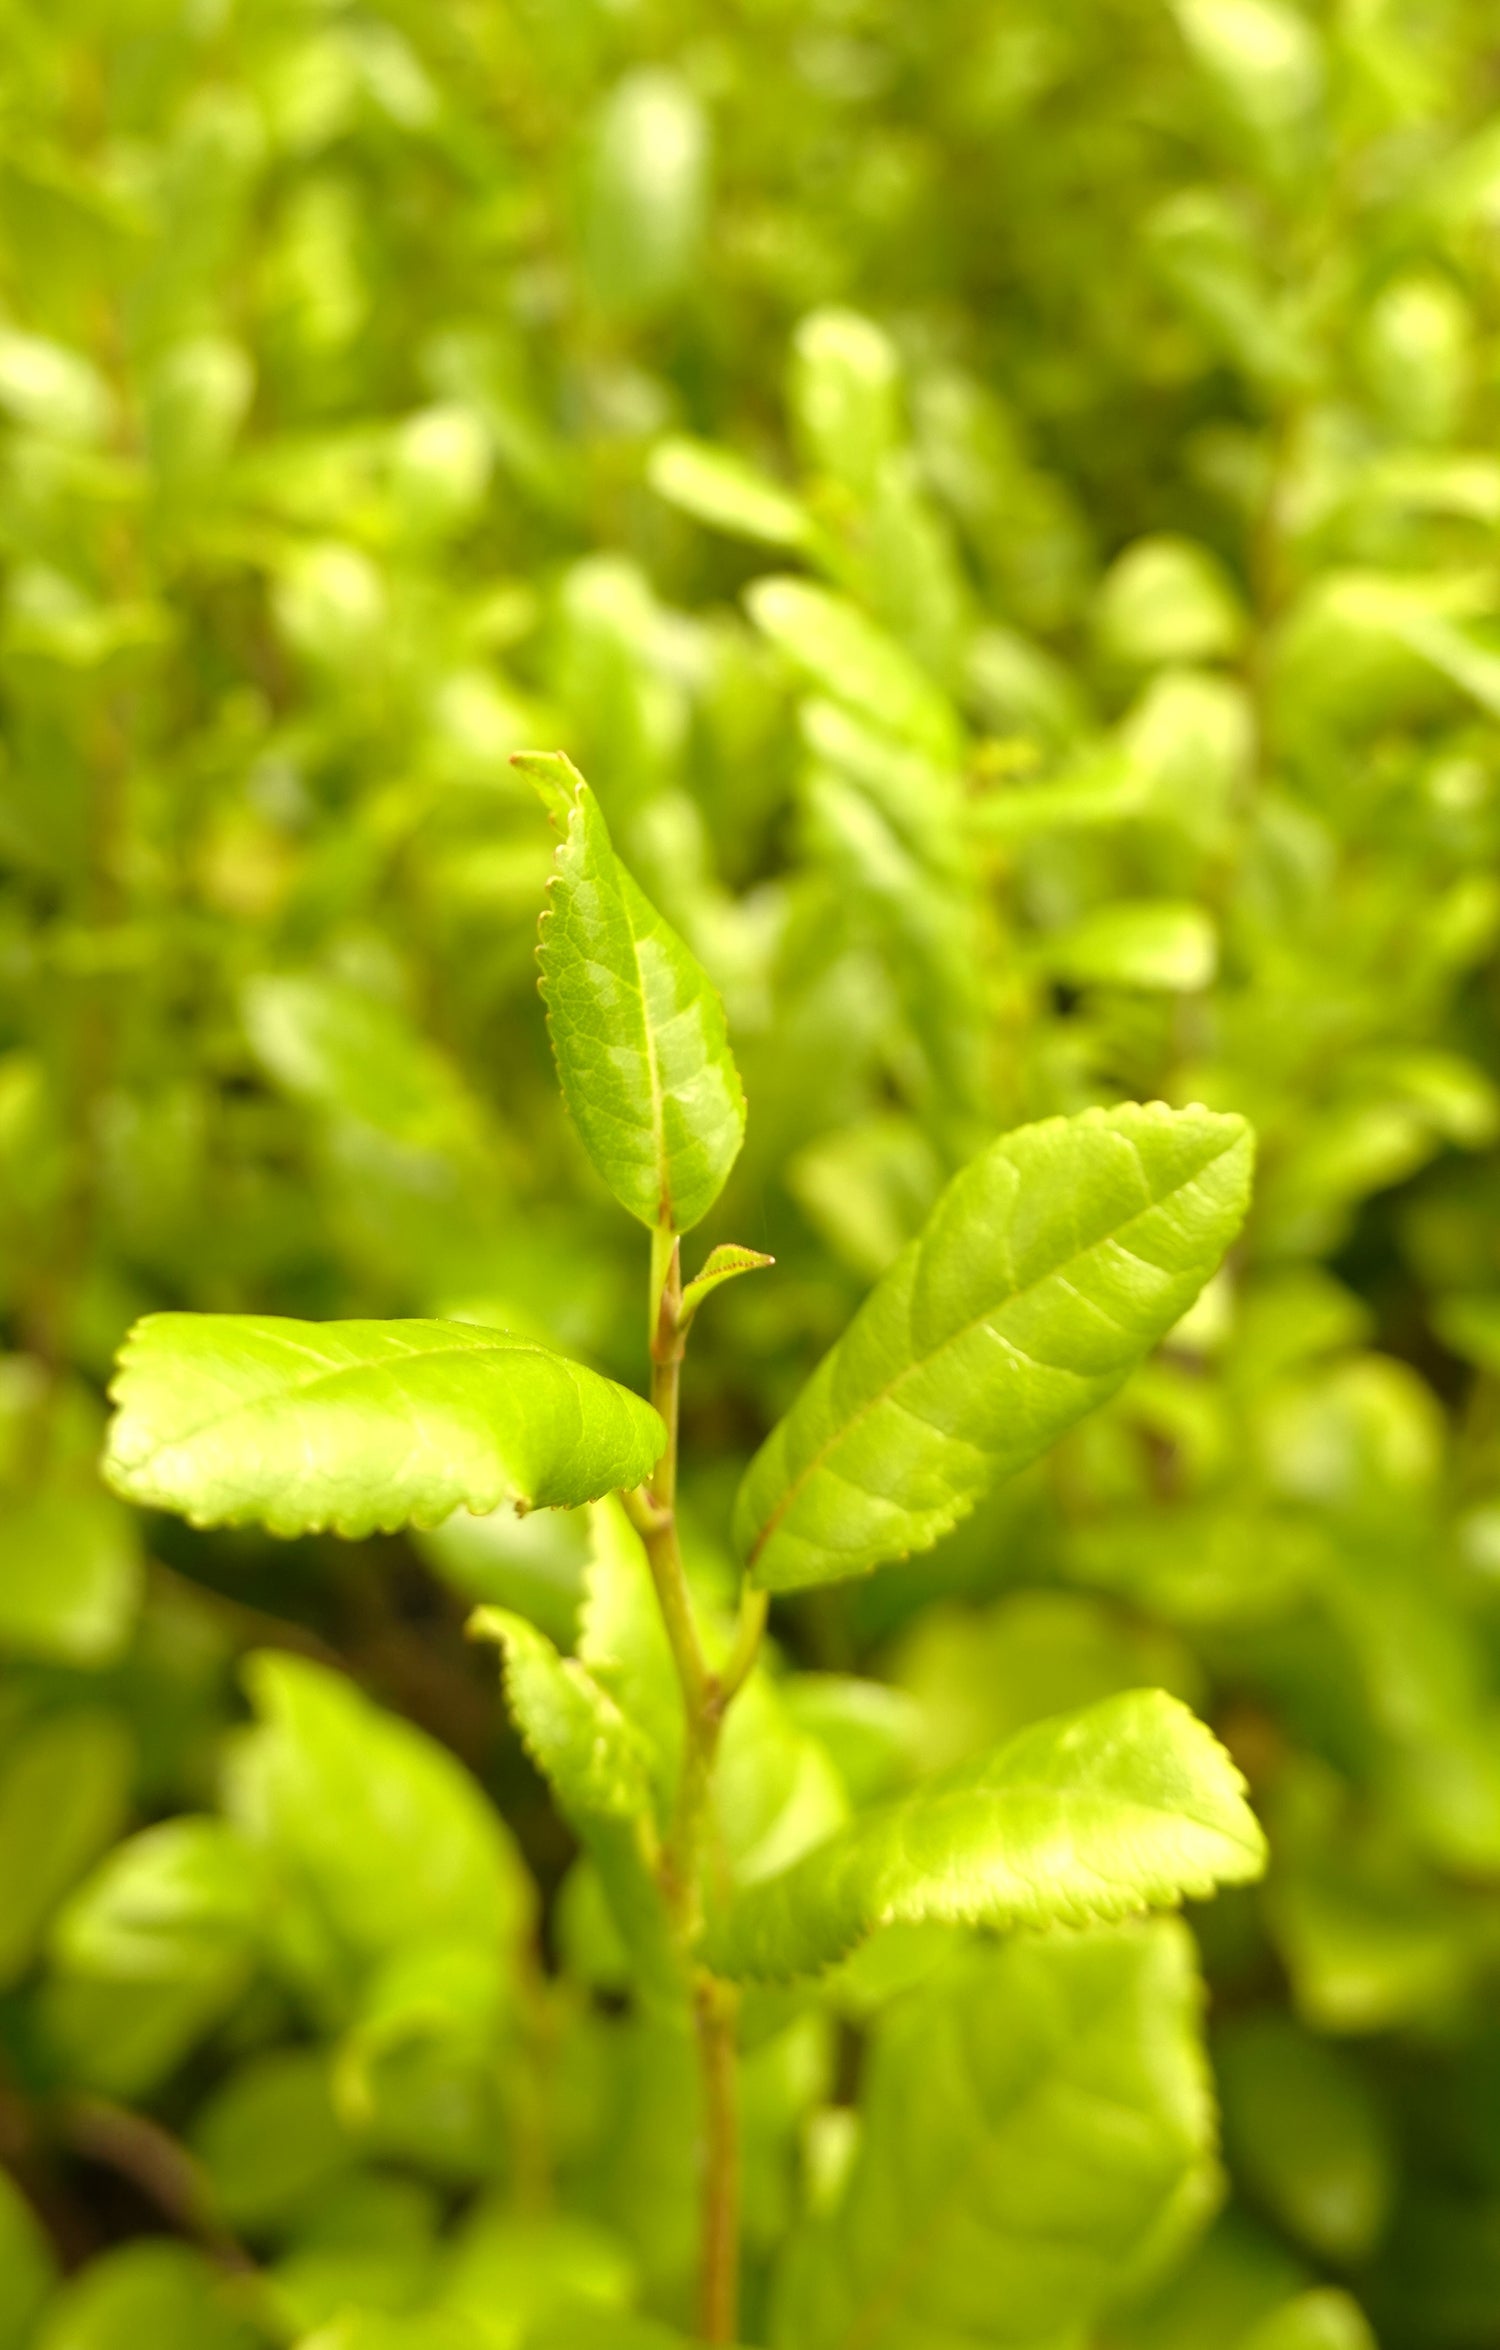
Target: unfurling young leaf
[725,1263]
[598,1764]
[1088,1817]
[637,1027]
[573,1730]
[1049,1267]
[1036,2137]
[235,1419]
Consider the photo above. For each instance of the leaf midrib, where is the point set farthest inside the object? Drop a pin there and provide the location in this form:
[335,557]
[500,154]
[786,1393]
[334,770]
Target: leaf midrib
[909,1370]
[653,1074]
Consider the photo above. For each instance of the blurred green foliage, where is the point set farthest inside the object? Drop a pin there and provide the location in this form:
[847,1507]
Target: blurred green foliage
[1002,499]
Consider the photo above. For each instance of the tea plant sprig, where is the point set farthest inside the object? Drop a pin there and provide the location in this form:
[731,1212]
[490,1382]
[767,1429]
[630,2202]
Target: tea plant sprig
[1049,1267]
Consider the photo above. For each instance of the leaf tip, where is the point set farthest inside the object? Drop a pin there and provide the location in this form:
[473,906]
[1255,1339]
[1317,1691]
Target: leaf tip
[556,780]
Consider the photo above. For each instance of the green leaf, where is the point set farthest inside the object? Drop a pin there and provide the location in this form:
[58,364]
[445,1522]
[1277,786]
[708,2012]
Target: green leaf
[28,2270]
[64,1791]
[348,1052]
[71,1588]
[1128,1805]
[1036,2132]
[1159,946]
[270,2138]
[1307,2135]
[832,645]
[579,2329]
[1323,2319]
[374,2329]
[1470,1326]
[1168,600]
[166,2294]
[645,200]
[637,1027]
[575,1733]
[180,1903]
[600,1767]
[623,1642]
[379,1828]
[299,1426]
[724,1263]
[515,2272]
[1048,1268]
[845,396]
[720,489]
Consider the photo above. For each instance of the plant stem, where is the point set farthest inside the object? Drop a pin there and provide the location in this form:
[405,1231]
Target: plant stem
[706,1696]
[716,2009]
[740,1662]
[667,1342]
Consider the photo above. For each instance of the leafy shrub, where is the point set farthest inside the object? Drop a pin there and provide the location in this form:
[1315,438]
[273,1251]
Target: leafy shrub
[999,504]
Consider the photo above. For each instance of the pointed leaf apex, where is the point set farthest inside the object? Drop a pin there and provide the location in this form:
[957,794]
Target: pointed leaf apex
[557,781]
[722,1264]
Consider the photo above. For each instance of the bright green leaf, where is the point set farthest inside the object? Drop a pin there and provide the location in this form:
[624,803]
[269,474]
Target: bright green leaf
[64,1791]
[845,396]
[241,1418]
[600,1768]
[1162,947]
[1324,2319]
[151,2291]
[575,1733]
[180,1903]
[351,1053]
[1048,1268]
[28,2270]
[1036,2134]
[638,1030]
[70,1587]
[1126,1806]
[724,1263]
[382,1830]
[720,489]
[836,649]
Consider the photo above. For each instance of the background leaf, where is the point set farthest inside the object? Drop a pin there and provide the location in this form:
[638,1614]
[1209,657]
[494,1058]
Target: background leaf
[1036,2131]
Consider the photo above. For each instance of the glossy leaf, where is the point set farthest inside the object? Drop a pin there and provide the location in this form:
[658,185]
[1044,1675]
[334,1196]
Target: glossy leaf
[1048,1268]
[1036,2132]
[724,1263]
[573,1730]
[235,1419]
[1127,1806]
[637,1027]
[599,1765]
